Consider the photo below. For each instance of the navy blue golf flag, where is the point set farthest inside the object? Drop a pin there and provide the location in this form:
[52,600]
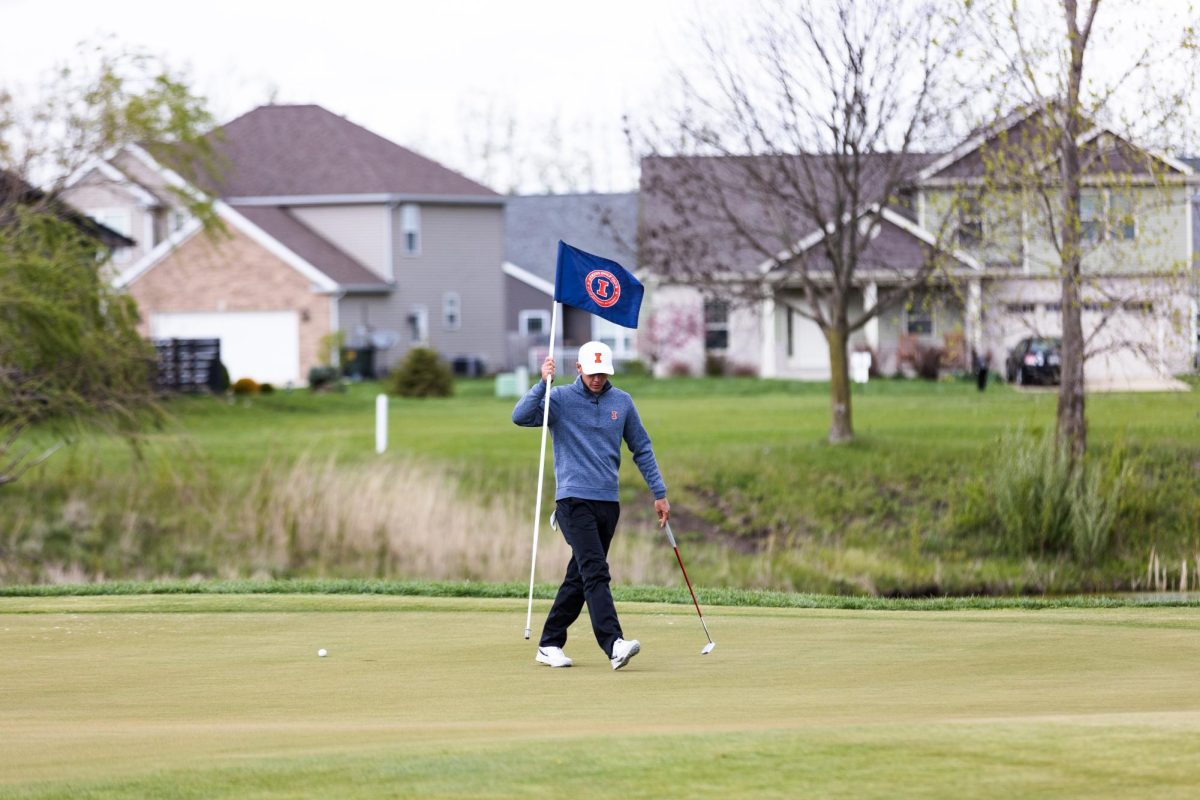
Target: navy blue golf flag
[597,285]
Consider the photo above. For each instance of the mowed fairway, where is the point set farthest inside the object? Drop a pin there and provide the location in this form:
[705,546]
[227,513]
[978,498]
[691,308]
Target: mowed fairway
[224,696]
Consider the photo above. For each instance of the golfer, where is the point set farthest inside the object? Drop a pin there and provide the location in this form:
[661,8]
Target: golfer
[588,420]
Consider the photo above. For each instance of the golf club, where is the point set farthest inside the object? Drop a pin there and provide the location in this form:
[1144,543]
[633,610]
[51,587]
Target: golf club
[708,648]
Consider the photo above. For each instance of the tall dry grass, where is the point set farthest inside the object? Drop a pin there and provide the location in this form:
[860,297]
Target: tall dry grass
[403,519]
[309,517]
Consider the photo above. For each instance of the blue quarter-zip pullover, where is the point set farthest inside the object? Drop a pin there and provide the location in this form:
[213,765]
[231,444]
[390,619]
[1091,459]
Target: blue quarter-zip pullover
[587,430]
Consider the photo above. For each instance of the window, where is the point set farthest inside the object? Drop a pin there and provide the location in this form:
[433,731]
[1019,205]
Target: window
[1089,216]
[410,224]
[121,221]
[1139,307]
[716,325]
[919,321]
[533,322]
[418,325]
[1019,308]
[451,311]
[1122,225]
[970,220]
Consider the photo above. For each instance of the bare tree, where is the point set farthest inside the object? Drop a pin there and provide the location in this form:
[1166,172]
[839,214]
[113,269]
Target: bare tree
[788,166]
[1067,147]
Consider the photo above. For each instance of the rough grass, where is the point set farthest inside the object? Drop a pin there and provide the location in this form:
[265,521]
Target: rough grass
[288,486]
[193,696]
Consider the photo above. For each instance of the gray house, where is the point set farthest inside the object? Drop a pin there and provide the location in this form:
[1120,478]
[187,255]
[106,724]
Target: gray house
[332,229]
[603,224]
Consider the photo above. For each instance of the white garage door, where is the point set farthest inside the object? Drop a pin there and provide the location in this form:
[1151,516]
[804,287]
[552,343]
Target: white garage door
[263,345]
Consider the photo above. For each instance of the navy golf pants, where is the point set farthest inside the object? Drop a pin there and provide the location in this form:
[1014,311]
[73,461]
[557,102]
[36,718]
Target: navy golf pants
[588,527]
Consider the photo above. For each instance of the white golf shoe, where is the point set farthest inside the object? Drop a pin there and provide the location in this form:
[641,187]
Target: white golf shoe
[553,657]
[623,650]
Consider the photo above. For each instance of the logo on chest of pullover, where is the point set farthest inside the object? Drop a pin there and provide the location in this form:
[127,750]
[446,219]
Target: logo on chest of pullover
[614,416]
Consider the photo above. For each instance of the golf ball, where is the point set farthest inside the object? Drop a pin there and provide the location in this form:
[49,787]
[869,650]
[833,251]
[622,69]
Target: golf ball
[322,652]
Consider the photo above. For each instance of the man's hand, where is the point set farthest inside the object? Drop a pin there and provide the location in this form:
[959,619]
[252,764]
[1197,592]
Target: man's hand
[548,369]
[663,509]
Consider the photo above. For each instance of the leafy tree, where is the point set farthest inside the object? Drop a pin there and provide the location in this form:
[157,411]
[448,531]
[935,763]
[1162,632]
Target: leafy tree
[70,353]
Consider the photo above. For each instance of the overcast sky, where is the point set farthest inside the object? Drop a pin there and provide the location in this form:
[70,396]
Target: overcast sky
[438,76]
[414,72]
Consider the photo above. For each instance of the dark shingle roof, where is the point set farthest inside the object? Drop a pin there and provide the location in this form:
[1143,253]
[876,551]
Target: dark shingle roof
[731,214]
[288,150]
[603,224]
[306,243]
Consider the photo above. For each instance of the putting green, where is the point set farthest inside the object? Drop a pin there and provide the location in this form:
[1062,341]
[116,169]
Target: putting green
[224,696]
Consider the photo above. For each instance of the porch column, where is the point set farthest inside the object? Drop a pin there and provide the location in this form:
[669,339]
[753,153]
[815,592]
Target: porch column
[974,320]
[871,329]
[767,368]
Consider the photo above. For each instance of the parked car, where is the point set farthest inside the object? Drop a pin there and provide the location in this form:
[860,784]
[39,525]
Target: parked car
[1035,360]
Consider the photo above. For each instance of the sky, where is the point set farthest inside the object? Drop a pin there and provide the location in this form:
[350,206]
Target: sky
[444,77]
[424,74]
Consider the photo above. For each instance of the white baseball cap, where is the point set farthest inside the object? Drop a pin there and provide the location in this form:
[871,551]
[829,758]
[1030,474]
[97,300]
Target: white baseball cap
[596,357]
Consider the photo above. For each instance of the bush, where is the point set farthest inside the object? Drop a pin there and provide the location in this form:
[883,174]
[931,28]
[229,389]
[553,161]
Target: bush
[743,371]
[928,362]
[218,378]
[266,388]
[714,365]
[1043,506]
[679,369]
[636,369]
[323,377]
[422,374]
[245,386]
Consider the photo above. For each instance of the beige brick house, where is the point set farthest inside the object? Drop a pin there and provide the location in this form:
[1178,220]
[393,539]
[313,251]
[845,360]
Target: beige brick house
[330,228]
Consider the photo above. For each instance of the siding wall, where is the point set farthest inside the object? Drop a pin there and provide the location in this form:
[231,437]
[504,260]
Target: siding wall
[462,249]
[359,230]
[1161,244]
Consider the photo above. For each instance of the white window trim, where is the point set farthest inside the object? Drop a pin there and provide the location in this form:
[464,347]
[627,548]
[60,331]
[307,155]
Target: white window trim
[523,318]
[447,297]
[410,223]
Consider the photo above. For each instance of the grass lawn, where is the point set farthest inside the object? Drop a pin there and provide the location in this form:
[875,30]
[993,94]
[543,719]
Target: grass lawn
[204,696]
[760,500]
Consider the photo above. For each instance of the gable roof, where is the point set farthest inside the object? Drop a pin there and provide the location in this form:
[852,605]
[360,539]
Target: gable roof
[1028,133]
[298,150]
[708,213]
[603,224]
[15,190]
[334,262]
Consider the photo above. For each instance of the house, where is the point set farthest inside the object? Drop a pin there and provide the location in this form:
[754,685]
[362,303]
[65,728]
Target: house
[997,282]
[332,231]
[603,224]
[16,192]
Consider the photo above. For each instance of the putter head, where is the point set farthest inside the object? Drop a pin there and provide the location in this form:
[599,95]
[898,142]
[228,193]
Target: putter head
[708,648]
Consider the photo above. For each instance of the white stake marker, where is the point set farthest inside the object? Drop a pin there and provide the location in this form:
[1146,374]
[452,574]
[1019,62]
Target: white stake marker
[381,412]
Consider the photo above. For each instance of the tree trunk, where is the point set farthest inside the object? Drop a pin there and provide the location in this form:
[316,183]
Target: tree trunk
[1072,424]
[841,428]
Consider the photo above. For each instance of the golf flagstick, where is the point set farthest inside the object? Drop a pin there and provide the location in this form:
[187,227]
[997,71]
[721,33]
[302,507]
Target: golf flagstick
[537,514]
[708,648]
